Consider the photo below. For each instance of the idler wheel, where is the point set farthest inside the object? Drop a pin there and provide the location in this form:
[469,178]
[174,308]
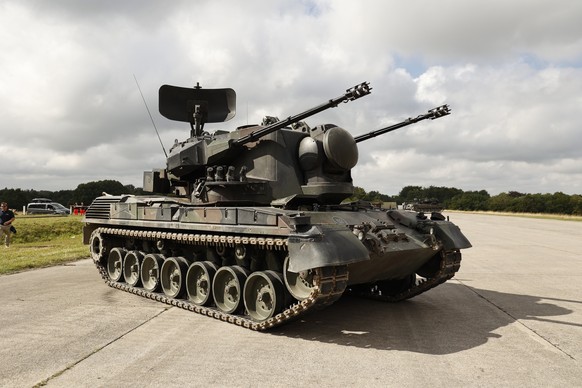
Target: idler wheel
[131,264]
[199,282]
[264,295]
[150,271]
[301,284]
[115,264]
[227,288]
[173,276]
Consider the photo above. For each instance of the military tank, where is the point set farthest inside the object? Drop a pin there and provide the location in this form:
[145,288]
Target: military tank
[426,205]
[251,226]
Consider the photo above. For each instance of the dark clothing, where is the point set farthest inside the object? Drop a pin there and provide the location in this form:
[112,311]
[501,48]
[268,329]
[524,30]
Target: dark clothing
[5,229]
[6,215]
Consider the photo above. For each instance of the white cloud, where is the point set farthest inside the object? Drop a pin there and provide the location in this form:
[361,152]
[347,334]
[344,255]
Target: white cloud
[511,71]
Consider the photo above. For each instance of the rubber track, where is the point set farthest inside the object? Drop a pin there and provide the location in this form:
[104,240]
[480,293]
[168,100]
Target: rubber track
[330,282]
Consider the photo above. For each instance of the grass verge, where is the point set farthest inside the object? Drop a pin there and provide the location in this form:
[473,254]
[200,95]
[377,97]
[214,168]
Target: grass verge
[43,242]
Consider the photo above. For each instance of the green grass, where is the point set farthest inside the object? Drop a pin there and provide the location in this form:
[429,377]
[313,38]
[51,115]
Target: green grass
[42,242]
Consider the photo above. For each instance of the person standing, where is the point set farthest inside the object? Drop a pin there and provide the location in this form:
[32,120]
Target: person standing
[6,218]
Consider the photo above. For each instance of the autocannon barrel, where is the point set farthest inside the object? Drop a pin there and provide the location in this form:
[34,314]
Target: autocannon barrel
[432,114]
[350,95]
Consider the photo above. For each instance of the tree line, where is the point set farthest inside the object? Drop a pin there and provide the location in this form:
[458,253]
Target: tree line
[448,197]
[84,194]
[457,199]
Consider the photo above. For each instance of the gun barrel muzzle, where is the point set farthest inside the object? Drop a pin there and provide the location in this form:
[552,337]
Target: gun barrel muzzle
[439,111]
[358,91]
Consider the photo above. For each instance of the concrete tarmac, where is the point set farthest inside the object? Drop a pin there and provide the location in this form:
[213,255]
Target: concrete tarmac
[511,317]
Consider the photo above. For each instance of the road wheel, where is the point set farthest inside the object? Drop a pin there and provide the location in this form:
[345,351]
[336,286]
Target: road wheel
[264,295]
[173,276]
[131,265]
[115,264]
[150,271]
[227,288]
[199,282]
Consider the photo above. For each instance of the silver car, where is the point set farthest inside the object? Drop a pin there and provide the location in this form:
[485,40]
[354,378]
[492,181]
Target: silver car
[47,208]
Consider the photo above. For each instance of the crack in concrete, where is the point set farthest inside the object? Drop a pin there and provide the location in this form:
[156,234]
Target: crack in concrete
[70,366]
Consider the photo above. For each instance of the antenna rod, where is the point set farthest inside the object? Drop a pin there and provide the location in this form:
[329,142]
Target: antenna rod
[151,118]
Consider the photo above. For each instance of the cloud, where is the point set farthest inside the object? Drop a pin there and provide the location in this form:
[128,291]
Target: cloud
[511,72]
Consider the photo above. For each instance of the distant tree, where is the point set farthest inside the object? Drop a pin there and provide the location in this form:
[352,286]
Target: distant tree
[576,201]
[375,196]
[560,203]
[409,193]
[529,203]
[359,193]
[501,202]
[86,192]
[130,189]
[557,203]
[515,194]
[441,194]
[64,197]
[372,196]
[16,198]
[470,200]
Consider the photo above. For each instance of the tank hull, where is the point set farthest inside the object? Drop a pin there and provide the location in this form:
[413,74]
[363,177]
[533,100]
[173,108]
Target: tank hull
[263,266]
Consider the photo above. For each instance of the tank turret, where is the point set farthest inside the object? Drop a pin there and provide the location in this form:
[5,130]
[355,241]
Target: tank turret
[276,161]
[283,163]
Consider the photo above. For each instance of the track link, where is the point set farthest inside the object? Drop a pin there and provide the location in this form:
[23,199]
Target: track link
[330,282]
[449,265]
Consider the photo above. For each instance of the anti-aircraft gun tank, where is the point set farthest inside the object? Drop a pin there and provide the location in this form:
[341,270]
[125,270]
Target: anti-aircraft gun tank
[249,227]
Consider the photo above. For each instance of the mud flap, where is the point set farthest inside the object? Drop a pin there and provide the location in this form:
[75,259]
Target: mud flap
[325,245]
[451,235]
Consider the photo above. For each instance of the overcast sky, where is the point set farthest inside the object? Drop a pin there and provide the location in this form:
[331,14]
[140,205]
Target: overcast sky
[71,113]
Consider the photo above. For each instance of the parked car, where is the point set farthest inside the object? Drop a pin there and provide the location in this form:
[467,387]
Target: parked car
[46,208]
[41,200]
